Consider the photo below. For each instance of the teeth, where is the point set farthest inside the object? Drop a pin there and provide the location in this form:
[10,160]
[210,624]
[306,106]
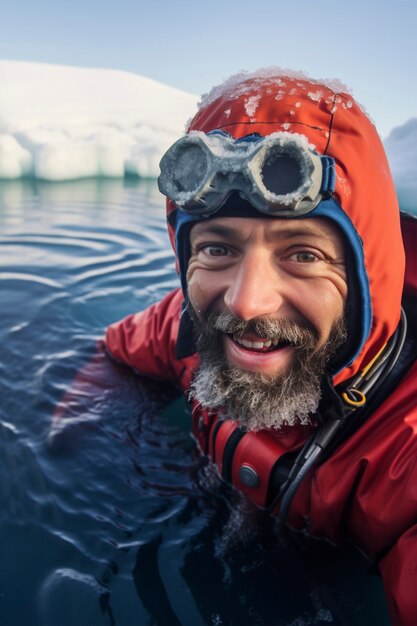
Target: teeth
[257,345]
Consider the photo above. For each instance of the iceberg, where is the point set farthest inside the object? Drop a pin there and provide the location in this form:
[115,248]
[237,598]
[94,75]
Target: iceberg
[63,123]
[401,148]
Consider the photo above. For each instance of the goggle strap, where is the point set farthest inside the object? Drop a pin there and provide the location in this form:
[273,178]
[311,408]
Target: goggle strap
[329,176]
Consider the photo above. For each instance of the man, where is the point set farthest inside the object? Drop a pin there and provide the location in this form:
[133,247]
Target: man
[289,335]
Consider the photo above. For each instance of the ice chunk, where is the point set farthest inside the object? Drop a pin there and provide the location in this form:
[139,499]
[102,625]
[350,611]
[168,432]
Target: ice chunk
[251,104]
[280,94]
[316,96]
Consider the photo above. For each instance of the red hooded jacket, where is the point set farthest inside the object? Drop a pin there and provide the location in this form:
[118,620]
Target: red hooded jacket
[368,487]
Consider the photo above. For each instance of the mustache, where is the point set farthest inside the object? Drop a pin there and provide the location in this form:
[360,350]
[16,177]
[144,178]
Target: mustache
[281,330]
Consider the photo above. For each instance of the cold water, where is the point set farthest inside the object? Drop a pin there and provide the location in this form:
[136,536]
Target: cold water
[117,519]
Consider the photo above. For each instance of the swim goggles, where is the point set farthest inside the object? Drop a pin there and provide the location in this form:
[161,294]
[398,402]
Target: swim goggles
[279,174]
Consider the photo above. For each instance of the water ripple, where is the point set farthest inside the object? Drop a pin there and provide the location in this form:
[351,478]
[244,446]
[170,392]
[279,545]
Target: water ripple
[31,278]
[109,515]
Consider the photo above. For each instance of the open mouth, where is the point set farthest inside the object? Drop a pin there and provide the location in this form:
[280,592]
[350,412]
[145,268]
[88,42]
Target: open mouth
[259,345]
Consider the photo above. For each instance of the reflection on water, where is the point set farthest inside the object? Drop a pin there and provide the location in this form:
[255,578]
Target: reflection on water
[119,520]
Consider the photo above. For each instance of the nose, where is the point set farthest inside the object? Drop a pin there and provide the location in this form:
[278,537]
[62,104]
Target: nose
[256,289]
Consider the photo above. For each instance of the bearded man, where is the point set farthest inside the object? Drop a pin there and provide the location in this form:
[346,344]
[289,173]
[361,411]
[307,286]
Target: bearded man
[289,334]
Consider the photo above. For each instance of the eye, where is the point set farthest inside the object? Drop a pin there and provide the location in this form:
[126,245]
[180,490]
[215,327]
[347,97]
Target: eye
[304,256]
[215,250]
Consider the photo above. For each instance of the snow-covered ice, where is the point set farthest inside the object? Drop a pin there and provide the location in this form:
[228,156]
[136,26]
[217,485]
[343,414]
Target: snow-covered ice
[401,148]
[62,123]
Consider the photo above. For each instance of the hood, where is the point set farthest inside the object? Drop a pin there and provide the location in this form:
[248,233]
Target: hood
[365,206]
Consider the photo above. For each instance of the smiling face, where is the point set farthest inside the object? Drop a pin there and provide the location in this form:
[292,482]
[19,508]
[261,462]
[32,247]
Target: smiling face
[267,298]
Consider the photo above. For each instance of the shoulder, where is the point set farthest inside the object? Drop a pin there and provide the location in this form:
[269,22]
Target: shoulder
[162,315]
[146,340]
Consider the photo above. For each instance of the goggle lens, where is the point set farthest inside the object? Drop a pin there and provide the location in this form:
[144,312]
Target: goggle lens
[191,168]
[281,174]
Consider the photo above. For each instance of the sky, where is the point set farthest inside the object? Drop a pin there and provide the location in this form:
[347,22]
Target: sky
[369,45]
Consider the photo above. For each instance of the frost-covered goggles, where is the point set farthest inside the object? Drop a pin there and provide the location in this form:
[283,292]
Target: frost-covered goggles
[280,174]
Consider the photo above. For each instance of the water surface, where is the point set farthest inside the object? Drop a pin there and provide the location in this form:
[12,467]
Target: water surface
[119,520]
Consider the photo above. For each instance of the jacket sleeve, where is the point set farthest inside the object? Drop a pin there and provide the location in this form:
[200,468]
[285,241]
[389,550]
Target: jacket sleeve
[86,399]
[146,341]
[399,572]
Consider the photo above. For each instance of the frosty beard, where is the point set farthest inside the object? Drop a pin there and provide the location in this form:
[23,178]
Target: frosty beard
[257,401]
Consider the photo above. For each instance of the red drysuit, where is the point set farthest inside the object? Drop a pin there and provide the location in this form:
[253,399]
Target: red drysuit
[367,489]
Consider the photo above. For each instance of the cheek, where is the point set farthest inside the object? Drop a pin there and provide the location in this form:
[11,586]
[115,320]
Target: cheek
[323,303]
[202,289]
